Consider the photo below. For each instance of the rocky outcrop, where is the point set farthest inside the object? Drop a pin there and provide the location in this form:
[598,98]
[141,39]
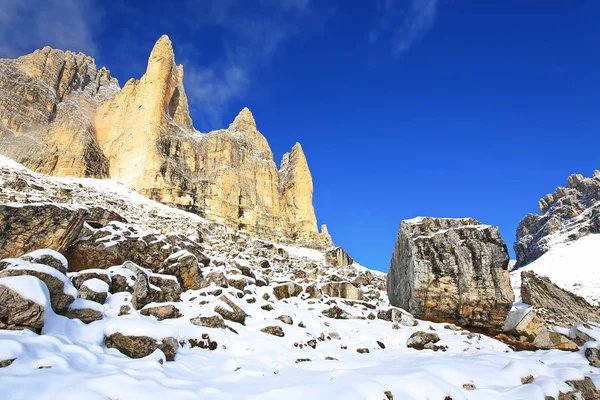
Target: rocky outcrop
[565,215]
[24,228]
[451,270]
[63,116]
[338,257]
[556,306]
[47,99]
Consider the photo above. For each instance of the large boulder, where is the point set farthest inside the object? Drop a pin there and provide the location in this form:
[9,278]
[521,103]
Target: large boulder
[17,311]
[62,291]
[28,227]
[554,305]
[345,290]
[451,270]
[338,257]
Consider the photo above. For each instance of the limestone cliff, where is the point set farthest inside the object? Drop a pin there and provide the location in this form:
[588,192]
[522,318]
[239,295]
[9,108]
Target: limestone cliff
[62,116]
[46,102]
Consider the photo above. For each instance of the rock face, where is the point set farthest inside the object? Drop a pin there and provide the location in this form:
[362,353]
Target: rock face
[62,116]
[25,228]
[565,215]
[557,306]
[451,270]
[46,100]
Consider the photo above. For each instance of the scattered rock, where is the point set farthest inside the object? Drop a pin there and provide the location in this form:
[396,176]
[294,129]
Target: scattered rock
[287,290]
[273,330]
[338,257]
[142,346]
[344,290]
[527,379]
[160,312]
[230,311]
[94,290]
[398,316]
[363,350]
[286,319]
[420,339]
[593,356]
[336,313]
[469,386]
[381,344]
[547,339]
[214,321]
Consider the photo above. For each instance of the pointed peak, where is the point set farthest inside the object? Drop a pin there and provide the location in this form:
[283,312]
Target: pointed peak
[163,48]
[244,121]
[297,148]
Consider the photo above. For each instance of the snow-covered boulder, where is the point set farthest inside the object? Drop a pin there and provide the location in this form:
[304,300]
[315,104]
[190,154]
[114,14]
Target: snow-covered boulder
[22,302]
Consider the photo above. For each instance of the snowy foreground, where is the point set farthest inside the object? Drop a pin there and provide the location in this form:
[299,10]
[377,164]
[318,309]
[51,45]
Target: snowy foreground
[69,360]
[317,358]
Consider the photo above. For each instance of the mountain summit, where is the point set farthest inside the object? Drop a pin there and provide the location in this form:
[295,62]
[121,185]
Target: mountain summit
[62,116]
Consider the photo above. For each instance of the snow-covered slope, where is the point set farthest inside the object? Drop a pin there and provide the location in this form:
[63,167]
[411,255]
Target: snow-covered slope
[316,358]
[574,266]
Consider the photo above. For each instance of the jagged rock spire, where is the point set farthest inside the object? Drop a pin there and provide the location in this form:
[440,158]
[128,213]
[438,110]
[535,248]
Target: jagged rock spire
[297,189]
[244,121]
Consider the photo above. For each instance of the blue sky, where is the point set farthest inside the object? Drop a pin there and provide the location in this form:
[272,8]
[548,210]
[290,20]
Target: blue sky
[446,108]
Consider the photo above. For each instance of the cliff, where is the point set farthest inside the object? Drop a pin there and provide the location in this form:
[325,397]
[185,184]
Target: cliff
[63,116]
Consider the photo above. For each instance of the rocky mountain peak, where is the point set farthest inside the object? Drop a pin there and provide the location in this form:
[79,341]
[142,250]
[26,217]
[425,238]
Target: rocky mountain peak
[143,136]
[244,121]
[565,215]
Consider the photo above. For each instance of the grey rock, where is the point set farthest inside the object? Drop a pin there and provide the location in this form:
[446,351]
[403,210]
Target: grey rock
[17,312]
[451,270]
[338,257]
[574,209]
[554,305]
[419,340]
[142,346]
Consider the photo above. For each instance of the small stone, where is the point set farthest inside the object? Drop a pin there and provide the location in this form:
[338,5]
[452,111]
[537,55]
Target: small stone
[301,324]
[273,330]
[168,311]
[469,386]
[286,319]
[331,359]
[301,360]
[381,344]
[267,307]
[312,343]
[388,395]
[363,350]
[527,379]
[420,339]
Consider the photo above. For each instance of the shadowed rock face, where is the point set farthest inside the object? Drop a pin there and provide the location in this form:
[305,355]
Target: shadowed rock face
[452,270]
[62,116]
[565,215]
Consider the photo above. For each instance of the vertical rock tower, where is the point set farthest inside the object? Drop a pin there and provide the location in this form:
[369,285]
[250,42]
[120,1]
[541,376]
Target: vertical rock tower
[78,122]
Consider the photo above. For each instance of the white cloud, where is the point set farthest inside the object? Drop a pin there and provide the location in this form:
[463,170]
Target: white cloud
[26,25]
[404,22]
